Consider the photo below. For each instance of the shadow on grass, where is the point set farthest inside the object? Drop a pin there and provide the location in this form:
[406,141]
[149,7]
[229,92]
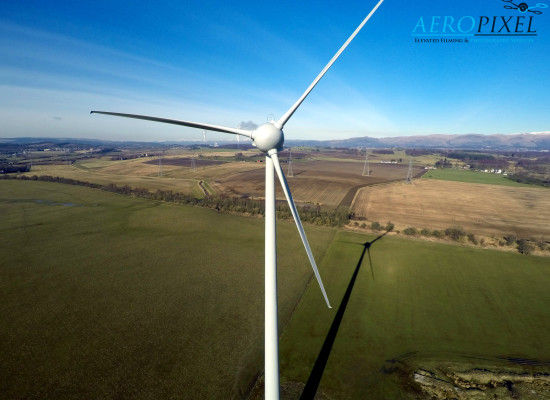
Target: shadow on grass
[317,372]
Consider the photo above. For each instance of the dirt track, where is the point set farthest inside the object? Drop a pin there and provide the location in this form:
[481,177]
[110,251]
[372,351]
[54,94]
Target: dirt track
[481,209]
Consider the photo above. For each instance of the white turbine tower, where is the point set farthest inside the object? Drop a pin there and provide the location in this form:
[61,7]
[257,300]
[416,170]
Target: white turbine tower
[269,139]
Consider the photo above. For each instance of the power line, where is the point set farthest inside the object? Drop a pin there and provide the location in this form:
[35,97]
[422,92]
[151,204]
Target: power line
[160,164]
[290,173]
[409,179]
[366,169]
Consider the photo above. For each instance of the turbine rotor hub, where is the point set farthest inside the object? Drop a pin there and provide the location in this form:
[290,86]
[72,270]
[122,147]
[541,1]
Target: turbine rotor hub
[268,137]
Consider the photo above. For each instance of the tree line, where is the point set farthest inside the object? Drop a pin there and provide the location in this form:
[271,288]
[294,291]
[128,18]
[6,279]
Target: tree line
[9,168]
[458,234]
[221,202]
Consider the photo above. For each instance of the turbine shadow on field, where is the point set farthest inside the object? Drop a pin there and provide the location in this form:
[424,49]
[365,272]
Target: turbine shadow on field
[319,367]
[367,246]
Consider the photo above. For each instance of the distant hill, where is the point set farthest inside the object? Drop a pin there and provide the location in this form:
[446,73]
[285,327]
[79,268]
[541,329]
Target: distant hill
[64,142]
[520,141]
[526,141]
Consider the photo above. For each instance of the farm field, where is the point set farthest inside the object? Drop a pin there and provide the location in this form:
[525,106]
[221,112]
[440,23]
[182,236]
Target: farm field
[419,305]
[484,209]
[327,183]
[330,184]
[151,182]
[177,174]
[460,175]
[374,157]
[105,296]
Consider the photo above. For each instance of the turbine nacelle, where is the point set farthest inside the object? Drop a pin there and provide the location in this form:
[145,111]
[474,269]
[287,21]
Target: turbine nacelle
[268,137]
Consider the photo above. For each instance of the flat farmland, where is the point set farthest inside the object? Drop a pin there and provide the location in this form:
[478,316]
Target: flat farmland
[328,183]
[104,296]
[461,175]
[172,167]
[420,305]
[215,171]
[184,162]
[144,166]
[177,174]
[483,209]
[105,176]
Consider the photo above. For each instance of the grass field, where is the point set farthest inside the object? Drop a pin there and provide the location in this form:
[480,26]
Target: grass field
[419,303]
[98,163]
[105,296]
[461,175]
[151,182]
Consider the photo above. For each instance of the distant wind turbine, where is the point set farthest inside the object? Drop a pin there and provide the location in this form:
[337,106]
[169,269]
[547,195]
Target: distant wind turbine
[269,139]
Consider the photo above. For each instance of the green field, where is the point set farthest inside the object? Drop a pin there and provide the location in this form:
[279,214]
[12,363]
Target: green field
[98,163]
[461,175]
[420,303]
[106,296]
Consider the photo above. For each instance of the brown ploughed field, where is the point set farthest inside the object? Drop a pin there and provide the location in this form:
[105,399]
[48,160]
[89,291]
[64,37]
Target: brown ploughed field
[477,208]
[327,183]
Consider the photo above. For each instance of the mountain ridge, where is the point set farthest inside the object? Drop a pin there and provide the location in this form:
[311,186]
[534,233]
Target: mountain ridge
[470,141]
[527,141]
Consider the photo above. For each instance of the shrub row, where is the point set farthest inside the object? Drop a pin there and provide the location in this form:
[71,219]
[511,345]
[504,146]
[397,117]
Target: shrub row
[222,203]
[524,246]
[453,233]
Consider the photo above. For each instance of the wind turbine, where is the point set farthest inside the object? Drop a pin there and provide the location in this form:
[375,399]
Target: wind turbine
[269,139]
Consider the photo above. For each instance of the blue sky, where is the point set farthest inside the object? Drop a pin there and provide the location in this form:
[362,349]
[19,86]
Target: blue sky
[231,62]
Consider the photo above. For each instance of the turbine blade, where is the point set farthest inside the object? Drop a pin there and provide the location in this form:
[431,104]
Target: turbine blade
[281,123]
[200,125]
[286,189]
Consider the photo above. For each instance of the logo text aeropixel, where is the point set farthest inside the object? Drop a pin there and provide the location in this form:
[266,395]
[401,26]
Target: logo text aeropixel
[497,25]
